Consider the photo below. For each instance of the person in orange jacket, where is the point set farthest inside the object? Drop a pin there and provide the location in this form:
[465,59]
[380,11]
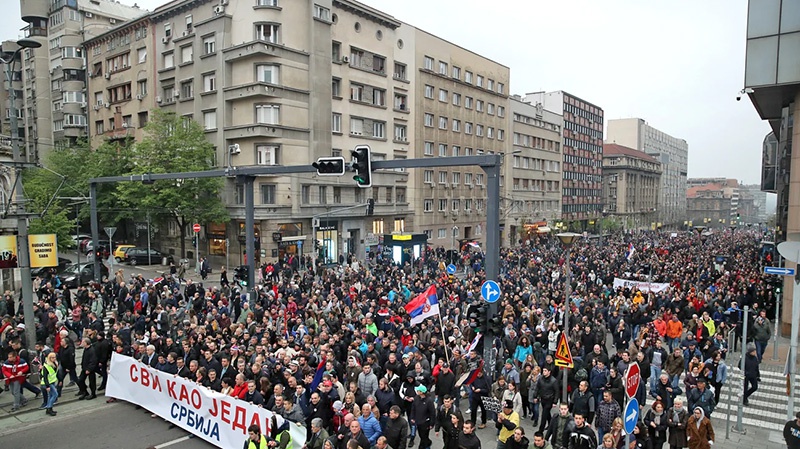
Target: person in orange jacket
[674,332]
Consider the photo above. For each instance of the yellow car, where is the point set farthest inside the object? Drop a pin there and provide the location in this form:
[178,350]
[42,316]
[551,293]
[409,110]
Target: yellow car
[119,253]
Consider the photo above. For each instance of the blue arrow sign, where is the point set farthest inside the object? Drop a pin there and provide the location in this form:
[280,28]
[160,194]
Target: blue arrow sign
[451,269]
[631,415]
[779,271]
[490,291]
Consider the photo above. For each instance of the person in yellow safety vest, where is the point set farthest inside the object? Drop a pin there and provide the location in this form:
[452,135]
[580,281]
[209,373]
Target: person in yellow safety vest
[279,438]
[49,382]
[255,440]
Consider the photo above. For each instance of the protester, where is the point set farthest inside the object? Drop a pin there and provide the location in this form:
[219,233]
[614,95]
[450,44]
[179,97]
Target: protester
[791,433]
[699,432]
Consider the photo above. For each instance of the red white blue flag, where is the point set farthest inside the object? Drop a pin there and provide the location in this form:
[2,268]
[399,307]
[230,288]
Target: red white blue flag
[423,306]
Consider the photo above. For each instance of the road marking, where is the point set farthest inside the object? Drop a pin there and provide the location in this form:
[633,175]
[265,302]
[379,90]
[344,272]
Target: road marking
[170,443]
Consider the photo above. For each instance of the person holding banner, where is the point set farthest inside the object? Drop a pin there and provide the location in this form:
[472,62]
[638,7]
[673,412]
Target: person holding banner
[254,438]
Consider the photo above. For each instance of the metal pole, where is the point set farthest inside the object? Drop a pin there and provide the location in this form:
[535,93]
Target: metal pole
[492,248]
[728,416]
[77,233]
[148,238]
[738,428]
[23,251]
[249,223]
[792,356]
[94,223]
[777,321]
[567,293]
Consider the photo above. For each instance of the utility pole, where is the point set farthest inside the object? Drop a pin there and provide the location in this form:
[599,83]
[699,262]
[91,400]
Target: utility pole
[23,251]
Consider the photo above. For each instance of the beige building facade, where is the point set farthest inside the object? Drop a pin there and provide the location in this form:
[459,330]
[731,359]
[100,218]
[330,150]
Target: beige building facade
[631,186]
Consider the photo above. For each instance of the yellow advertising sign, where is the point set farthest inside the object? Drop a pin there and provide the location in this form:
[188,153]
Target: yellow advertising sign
[44,250]
[8,251]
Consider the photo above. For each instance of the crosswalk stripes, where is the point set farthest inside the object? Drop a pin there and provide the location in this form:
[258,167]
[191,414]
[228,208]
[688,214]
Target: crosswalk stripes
[767,406]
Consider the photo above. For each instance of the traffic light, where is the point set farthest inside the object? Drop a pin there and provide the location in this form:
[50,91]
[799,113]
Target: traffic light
[370,207]
[194,241]
[242,273]
[329,166]
[496,324]
[362,165]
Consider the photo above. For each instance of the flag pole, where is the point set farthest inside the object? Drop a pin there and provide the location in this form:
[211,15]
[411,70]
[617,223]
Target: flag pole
[444,339]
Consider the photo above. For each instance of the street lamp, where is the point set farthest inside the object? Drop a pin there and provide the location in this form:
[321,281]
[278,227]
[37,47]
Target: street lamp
[567,239]
[453,241]
[23,255]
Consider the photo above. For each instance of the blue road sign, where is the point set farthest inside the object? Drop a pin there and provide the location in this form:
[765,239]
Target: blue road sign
[779,271]
[631,415]
[451,269]
[490,291]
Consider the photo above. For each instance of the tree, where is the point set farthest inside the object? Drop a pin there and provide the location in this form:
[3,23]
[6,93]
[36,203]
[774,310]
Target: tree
[174,144]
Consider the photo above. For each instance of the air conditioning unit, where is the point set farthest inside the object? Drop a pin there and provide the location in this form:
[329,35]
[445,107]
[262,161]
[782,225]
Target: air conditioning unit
[219,9]
[108,75]
[165,40]
[112,21]
[185,33]
[234,149]
[106,105]
[223,2]
[176,93]
[345,59]
[124,125]
[83,104]
[158,99]
[97,107]
[139,96]
[89,15]
[470,186]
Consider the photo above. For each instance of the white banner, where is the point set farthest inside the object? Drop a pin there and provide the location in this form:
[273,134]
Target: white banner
[221,420]
[655,287]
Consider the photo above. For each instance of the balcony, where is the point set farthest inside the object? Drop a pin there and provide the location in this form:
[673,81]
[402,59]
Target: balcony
[263,49]
[264,131]
[264,90]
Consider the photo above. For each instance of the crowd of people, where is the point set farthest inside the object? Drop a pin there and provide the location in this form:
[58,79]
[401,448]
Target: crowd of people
[388,384]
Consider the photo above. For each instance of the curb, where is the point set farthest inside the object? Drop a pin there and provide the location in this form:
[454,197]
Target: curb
[38,423]
[31,408]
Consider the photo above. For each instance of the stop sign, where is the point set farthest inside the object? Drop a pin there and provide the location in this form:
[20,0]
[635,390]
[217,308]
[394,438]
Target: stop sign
[632,379]
[196,227]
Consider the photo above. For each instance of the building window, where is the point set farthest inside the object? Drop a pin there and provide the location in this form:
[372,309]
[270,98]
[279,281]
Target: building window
[378,64]
[127,121]
[400,102]
[427,63]
[468,77]
[71,52]
[336,88]
[468,102]
[467,128]
[490,108]
[501,111]
[443,96]
[442,149]
[467,179]
[141,55]
[379,130]
[428,148]
[142,119]
[99,127]
[169,93]
[479,81]
[456,72]
[442,177]
[267,155]
[456,178]
[267,32]
[209,45]
[377,226]
[441,233]
[399,225]
[428,176]
[337,195]
[442,205]
[238,194]
[356,126]
[117,63]
[479,130]
[268,193]
[306,194]
[428,119]
[336,123]
[479,105]
[322,13]
[456,206]
[356,92]
[268,114]
[456,99]
[210,119]
[442,122]
[456,150]
[268,73]
[267,2]
[490,84]
[210,82]
[323,194]
[442,68]
[501,88]
[168,29]
[429,91]
[336,51]
[400,195]
[379,97]
[187,53]
[187,89]
[169,60]
[427,205]
[400,133]
[400,71]
[456,125]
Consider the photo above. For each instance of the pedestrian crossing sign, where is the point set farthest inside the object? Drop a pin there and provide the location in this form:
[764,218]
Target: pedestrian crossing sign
[563,354]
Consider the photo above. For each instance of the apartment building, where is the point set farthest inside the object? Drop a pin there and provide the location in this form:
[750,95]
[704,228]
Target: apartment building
[672,152]
[55,103]
[582,151]
[460,110]
[120,82]
[631,186]
[534,192]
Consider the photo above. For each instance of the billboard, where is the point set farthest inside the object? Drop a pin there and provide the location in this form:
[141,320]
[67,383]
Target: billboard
[43,250]
[8,251]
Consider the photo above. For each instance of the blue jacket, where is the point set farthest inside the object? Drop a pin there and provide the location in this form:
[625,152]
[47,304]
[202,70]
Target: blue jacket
[522,352]
[371,428]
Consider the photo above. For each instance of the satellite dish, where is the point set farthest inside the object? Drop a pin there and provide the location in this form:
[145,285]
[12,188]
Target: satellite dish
[790,250]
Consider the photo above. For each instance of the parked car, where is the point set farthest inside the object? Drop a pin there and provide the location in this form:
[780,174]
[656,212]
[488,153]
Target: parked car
[119,252]
[76,275]
[62,264]
[138,255]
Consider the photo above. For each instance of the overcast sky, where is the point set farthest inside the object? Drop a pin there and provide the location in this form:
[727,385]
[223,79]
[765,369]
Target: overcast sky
[677,64]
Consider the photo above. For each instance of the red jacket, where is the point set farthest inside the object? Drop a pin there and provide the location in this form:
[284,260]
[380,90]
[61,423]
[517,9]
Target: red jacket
[15,371]
[239,391]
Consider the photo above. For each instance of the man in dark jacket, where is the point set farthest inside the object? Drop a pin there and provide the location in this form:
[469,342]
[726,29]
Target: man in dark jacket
[396,431]
[445,382]
[547,386]
[583,401]
[702,397]
[480,388]
[752,373]
[66,362]
[423,415]
[88,370]
[581,436]
[560,427]
[443,414]
[103,351]
[468,439]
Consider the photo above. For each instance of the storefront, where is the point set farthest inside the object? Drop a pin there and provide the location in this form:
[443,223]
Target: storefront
[242,238]
[402,248]
[216,234]
[327,241]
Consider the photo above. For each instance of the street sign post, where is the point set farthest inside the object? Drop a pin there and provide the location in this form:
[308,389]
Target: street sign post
[779,271]
[632,379]
[631,416]
[451,269]
[110,230]
[563,353]
[490,291]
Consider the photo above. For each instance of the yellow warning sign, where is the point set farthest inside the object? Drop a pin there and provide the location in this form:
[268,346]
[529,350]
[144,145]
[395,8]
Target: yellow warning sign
[563,354]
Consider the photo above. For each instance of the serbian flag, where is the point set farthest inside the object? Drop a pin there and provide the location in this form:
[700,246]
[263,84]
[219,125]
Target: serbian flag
[423,306]
[318,375]
[470,377]
[474,343]
[631,251]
